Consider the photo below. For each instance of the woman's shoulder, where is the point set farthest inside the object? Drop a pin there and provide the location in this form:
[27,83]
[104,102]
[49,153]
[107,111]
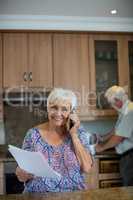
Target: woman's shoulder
[33,135]
[35,131]
[42,126]
[31,132]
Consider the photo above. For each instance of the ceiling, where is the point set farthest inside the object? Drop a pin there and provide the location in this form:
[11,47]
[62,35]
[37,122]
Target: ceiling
[82,8]
[83,15]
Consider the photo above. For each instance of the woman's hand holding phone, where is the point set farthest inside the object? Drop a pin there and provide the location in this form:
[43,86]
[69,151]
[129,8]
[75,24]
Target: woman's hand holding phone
[73,123]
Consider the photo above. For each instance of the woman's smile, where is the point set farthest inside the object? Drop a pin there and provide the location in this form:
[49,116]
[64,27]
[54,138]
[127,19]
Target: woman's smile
[57,118]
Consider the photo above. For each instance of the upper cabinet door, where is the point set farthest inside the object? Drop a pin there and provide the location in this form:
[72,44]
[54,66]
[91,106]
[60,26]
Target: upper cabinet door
[0,62]
[40,60]
[71,66]
[15,59]
[108,65]
[130,61]
[71,61]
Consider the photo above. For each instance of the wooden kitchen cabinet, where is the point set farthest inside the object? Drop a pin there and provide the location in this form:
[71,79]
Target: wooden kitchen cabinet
[1,103]
[0,62]
[2,178]
[91,69]
[109,175]
[129,46]
[71,64]
[40,60]
[15,59]
[27,59]
[104,173]
[109,66]
[87,63]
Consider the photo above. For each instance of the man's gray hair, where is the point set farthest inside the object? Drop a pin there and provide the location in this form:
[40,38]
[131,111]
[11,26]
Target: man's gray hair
[116,92]
[59,94]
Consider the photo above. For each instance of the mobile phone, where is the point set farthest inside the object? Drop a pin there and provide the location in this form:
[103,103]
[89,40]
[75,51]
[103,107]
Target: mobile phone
[70,122]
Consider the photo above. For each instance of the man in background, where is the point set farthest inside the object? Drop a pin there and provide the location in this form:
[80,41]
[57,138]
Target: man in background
[122,136]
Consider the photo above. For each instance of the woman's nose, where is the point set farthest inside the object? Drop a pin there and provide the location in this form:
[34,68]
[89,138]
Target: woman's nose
[59,112]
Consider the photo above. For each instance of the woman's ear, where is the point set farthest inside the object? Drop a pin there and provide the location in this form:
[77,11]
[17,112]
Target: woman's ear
[118,103]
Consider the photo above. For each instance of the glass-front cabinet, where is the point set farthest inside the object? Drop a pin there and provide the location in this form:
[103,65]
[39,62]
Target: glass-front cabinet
[130,54]
[108,67]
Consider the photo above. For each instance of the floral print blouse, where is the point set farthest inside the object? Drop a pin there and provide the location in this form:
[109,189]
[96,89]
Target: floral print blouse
[61,158]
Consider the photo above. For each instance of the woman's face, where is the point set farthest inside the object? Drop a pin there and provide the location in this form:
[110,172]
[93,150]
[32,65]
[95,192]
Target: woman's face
[58,112]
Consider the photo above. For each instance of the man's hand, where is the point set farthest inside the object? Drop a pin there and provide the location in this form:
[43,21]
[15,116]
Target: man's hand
[99,148]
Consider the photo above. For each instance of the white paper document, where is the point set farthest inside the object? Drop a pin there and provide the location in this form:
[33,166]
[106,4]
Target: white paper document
[33,162]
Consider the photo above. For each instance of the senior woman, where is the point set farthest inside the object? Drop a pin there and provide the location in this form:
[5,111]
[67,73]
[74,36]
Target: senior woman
[66,151]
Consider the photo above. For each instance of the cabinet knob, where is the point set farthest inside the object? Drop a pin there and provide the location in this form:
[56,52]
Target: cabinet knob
[25,76]
[30,76]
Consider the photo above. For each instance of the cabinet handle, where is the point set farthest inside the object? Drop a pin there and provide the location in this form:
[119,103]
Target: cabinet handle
[30,76]
[25,76]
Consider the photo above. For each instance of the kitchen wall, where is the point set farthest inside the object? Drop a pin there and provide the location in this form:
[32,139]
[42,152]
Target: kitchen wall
[19,119]
[84,8]
[100,127]
[2,133]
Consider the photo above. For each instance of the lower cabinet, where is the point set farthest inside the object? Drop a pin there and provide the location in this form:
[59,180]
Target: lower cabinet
[9,183]
[104,173]
[13,185]
[110,183]
[2,179]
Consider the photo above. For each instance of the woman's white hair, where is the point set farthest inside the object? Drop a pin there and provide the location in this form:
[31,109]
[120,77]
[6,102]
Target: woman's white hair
[60,94]
[116,92]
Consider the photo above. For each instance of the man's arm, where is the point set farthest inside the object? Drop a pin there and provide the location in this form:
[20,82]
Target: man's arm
[107,136]
[110,143]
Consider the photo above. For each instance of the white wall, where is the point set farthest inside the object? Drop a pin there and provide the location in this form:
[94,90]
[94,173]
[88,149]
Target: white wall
[67,7]
[2,133]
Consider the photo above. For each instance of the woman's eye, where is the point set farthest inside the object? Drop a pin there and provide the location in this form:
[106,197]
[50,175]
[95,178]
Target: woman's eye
[54,108]
[64,109]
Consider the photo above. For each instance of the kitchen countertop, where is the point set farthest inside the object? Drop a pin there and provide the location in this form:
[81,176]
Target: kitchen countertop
[111,153]
[119,193]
